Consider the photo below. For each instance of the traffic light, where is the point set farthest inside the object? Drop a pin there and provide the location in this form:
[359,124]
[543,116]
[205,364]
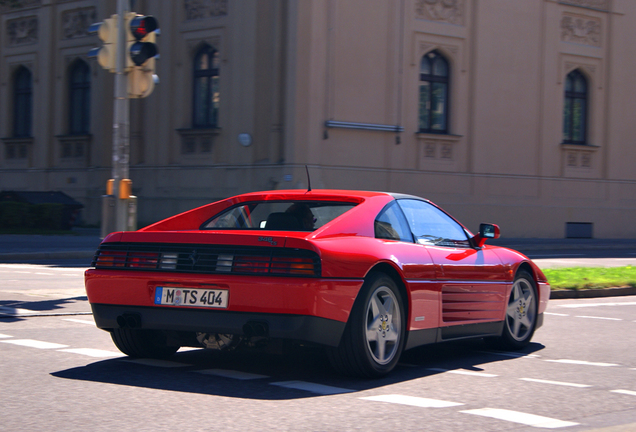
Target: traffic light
[142,51]
[107,53]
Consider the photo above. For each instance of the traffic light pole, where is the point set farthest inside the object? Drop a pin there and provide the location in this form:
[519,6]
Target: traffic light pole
[121,119]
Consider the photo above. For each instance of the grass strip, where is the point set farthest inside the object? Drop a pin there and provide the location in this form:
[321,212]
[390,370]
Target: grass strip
[581,278]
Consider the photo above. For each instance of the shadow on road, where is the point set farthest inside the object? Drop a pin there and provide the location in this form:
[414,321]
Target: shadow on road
[19,310]
[299,364]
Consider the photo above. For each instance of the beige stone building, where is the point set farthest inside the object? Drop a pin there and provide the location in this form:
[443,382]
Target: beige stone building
[516,112]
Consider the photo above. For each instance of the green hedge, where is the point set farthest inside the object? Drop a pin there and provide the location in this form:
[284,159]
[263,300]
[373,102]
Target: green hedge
[15,214]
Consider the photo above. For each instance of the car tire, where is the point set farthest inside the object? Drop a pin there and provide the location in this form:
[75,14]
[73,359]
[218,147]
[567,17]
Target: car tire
[375,334]
[139,343]
[520,321]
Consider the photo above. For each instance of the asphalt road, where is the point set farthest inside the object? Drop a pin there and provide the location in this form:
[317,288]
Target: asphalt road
[60,372]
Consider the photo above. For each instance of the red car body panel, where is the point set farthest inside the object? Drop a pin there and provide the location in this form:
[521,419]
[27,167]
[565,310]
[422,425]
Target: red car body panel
[443,286]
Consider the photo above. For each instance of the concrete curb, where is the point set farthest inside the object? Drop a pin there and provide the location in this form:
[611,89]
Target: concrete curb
[592,293]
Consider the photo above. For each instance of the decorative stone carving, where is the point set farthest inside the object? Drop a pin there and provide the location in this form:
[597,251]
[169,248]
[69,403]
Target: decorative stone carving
[450,11]
[581,29]
[12,5]
[429,149]
[572,159]
[447,151]
[75,22]
[22,31]
[200,9]
[594,4]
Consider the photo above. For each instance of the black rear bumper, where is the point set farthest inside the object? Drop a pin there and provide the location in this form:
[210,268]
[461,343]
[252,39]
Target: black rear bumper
[279,326]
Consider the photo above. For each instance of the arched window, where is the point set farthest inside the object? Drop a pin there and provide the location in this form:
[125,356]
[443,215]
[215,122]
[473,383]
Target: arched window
[206,88]
[434,91]
[79,98]
[22,102]
[575,109]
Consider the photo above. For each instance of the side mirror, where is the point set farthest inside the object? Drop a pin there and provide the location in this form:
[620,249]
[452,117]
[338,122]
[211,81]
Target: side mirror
[486,231]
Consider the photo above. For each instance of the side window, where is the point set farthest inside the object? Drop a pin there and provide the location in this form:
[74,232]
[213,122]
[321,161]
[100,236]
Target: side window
[390,224]
[431,226]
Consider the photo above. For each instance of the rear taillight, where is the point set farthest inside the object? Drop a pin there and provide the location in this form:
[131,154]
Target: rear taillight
[251,264]
[111,259]
[143,259]
[289,265]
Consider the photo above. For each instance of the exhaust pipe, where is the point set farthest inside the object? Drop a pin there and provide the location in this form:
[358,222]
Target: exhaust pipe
[255,329]
[132,321]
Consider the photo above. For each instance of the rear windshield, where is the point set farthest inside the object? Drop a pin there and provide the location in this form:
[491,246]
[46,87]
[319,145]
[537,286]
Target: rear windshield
[278,215]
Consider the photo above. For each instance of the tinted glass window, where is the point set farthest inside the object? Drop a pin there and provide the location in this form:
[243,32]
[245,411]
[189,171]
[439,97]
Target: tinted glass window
[432,226]
[390,224]
[279,215]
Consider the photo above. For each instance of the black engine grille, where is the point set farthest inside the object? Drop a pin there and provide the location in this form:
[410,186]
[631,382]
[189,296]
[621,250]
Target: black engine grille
[219,259]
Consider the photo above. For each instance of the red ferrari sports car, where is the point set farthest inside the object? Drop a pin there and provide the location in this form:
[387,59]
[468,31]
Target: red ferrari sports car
[365,274]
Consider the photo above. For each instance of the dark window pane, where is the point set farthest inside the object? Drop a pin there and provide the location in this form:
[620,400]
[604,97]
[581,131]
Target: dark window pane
[575,108]
[79,98]
[425,66]
[438,107]
[579,84]
[440,67]
[22,103]
[578,120]
[567,120]
[206,88]
[425,102]
[433,93]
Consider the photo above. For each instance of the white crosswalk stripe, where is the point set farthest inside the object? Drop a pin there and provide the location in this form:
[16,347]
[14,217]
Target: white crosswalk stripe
[412,401]
[34,343]
[560,383]
[91,352]
[521,418]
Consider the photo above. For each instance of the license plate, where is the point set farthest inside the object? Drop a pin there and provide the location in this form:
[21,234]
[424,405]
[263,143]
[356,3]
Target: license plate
[178,296]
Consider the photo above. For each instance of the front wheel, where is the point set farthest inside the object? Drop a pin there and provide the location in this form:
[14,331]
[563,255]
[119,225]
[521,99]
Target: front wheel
[521,312]
[375,334]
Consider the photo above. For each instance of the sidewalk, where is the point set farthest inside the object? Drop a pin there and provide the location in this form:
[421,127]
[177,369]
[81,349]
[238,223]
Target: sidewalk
[84,243]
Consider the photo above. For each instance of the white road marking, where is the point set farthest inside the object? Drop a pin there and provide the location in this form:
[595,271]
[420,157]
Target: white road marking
[463,372]
[626,392]
[2,336]
[522,418]
[581,362]
[555,314]
[226,373]
[511,354]
[34,343]
[412,401]
[584,305]
[92,352]
[45,274]
[601,318]
[312,387]
[80,321]
[157,363]
[555,382]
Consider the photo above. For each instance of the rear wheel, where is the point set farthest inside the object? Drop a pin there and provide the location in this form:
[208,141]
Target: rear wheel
[373,339]
[521,312]
[141,343]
